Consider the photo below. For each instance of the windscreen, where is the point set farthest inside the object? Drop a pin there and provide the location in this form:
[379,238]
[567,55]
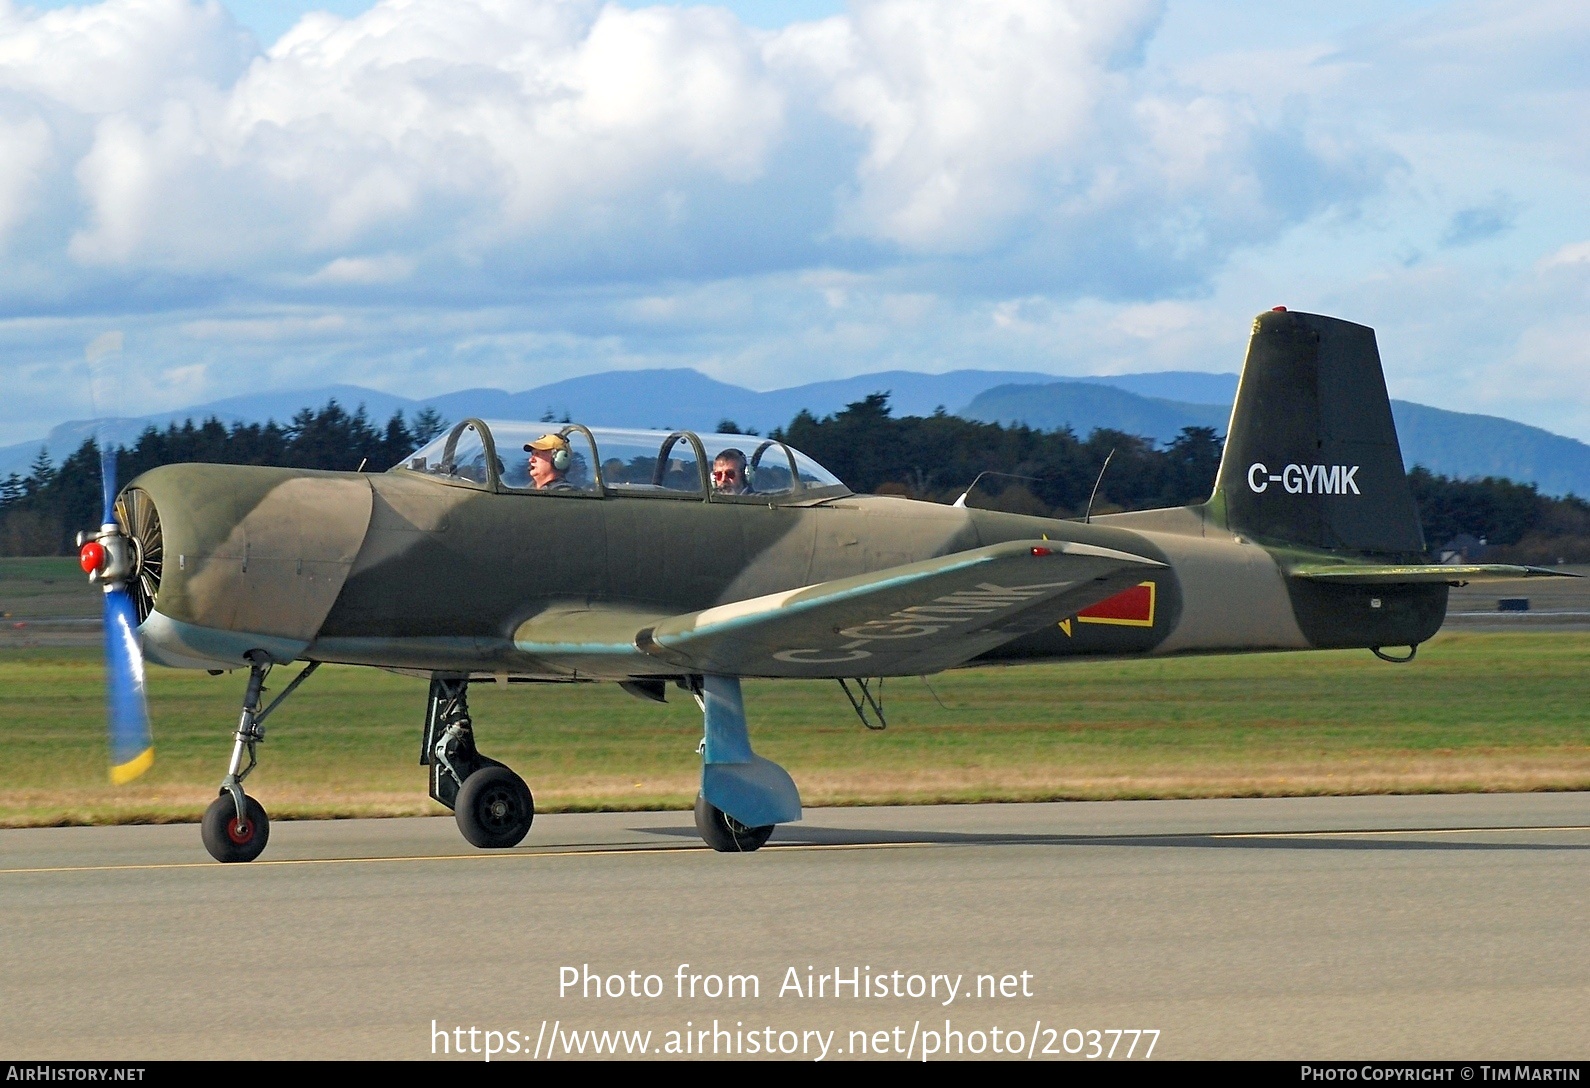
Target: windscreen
[458,456]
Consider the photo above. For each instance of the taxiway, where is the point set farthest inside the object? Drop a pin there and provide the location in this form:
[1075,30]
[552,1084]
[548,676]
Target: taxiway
[1430,927]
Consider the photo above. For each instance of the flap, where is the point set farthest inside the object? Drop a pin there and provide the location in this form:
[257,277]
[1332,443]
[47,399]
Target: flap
[1429,573]
[904,621]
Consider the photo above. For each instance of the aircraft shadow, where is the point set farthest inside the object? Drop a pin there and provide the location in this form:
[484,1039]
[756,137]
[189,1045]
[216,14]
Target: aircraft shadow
[795,835]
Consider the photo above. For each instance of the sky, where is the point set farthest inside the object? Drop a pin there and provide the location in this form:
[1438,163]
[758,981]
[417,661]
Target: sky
[421,196]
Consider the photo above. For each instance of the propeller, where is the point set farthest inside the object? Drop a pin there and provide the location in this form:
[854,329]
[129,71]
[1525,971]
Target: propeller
[115,559]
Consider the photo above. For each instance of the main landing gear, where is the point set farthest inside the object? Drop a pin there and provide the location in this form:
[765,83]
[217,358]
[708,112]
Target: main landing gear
[724,833]
[235,826]
[492,805]
[743,796]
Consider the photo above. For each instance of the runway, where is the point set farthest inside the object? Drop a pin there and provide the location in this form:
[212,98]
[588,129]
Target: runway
[1374,927]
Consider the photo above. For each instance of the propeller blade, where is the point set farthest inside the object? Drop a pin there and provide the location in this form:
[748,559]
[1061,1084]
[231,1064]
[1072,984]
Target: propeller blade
[131,747]
[132,750]
[104,375]
[107,479]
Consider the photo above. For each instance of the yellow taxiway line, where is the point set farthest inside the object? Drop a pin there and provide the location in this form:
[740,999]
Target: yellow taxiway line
[1379,831]
[615,851]
[605,852]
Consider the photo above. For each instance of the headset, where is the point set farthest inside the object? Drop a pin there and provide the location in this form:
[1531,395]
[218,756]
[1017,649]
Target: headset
[747,469]
[560,457]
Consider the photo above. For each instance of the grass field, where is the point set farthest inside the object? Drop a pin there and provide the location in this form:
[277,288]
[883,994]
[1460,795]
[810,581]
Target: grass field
[1478,711]
[46,588]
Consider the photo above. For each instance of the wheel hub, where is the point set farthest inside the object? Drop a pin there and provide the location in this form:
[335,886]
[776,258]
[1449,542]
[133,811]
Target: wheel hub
[498,809]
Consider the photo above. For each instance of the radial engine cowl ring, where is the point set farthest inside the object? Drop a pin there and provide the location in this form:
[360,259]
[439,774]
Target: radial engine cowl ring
[139,523]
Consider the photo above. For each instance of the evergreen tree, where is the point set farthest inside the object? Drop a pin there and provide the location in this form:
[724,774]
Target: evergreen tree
[1498,510]
[428,423]
[41,473]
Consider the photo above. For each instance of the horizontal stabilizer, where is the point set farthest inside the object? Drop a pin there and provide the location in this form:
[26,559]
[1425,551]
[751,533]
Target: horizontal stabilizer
[905,621]
[1416,574]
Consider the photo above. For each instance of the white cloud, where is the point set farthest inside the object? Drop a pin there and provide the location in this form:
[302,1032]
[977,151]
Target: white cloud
[24,154]
[1574,253]
[964,105]
[468,126]
[119,56]
[389,268]
[563,137]
[292,327]
[446,192]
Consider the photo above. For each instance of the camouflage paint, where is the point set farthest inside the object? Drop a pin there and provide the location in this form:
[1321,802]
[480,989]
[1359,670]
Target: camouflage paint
[404,570]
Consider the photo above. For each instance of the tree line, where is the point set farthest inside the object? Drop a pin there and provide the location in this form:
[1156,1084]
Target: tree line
[41,513]
[936,458]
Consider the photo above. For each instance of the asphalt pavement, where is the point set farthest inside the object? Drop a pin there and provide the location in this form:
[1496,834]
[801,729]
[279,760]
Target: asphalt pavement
[1371,927]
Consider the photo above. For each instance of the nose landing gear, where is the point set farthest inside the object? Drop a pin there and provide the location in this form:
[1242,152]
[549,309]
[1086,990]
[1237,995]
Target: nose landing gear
[235,826]
[228,838]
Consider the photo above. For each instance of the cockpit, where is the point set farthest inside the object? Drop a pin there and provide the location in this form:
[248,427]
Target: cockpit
[578,461]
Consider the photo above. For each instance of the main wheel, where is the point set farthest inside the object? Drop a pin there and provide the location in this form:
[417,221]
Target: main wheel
[724,833]
[494,808]
[228,840]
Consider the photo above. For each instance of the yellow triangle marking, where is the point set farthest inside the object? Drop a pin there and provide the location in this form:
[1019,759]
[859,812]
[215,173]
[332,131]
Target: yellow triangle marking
[1065,625]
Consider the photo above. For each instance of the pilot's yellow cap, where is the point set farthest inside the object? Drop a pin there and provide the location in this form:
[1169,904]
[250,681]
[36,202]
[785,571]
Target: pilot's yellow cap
[547,443]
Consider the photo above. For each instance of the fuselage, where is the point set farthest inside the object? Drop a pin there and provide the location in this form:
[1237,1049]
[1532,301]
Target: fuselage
[401,570]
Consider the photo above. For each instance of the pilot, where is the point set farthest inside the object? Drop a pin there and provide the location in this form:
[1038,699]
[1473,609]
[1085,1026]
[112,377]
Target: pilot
[728,473]
[549,462]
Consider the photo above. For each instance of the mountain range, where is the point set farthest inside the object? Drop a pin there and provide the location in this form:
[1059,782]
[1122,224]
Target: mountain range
[1455,444]
[1155,405]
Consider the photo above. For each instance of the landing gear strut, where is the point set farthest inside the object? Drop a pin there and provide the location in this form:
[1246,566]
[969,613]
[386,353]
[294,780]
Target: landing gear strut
[492,805]
[743,796]
[235,826]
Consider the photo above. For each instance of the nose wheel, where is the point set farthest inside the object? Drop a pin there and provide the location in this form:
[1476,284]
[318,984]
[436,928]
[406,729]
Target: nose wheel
[228,838]
[235,827]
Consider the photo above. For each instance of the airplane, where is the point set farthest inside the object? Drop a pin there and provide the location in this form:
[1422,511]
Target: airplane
[456,565]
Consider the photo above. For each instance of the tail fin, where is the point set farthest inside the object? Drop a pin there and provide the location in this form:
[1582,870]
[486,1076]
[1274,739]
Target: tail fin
[1311,455]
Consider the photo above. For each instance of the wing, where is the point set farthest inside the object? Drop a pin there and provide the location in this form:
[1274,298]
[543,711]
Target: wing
[1453,574]
[905,621]
[596,641]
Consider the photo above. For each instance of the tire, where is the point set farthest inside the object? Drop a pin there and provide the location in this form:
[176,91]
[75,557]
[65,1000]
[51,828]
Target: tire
[724,833]
[225,839]
[494,808]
